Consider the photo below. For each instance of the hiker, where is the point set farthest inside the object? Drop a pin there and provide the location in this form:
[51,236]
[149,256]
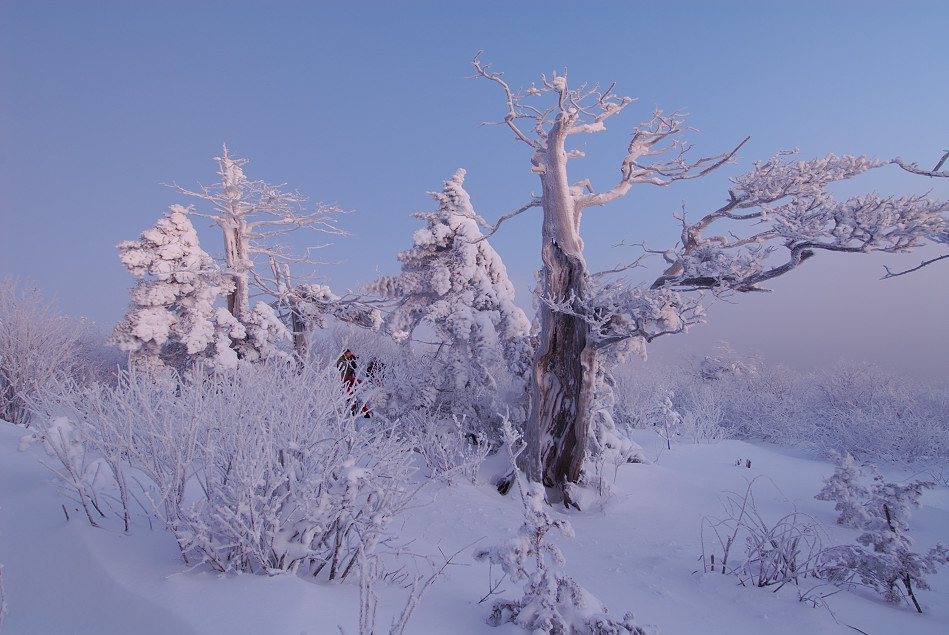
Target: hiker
[347,367]
[347,372]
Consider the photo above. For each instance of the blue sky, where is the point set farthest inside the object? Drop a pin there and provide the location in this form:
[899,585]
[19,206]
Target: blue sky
[369,105]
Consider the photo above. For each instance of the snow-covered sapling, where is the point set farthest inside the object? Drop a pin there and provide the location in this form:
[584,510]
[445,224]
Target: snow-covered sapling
[845,490]
[553,602]
[884,559]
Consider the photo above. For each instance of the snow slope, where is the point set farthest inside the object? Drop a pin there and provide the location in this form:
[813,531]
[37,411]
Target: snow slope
[638,550]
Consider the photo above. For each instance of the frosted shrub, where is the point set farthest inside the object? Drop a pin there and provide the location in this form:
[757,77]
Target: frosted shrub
[607,444]
[288,479]
[765,403]
[867,411]
[448,450]
[778,552]
[262,469]
[553,602]
[636,393]
[883,560]
[74,466]
[856,408]
[38,347]
[703,413]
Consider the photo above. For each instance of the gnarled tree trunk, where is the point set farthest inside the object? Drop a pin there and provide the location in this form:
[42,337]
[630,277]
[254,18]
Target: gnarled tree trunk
[563,368]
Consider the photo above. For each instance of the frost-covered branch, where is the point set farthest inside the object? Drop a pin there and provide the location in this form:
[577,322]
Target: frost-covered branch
[892,274]
[535,202]
[513,103]
[313,302]
[617,313]
[915,169]
[794,212]
[252,216]
[655,138]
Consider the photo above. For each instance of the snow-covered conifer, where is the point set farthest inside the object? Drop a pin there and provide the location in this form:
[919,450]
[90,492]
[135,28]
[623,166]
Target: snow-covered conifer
[174,299]
[845,489]
[453,281]
[884,559]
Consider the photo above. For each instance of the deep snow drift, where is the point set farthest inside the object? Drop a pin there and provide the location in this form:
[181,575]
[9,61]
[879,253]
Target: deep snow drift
[637,550]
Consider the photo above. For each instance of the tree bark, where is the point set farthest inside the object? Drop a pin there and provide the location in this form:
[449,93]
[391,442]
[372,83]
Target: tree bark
[563,374]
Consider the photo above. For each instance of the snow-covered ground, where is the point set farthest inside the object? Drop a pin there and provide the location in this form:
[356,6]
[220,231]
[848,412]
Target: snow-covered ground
[638,550]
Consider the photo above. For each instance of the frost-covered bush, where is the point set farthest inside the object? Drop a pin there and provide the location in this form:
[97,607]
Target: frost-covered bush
[883,560]
[763,402]
[637,391]
[608,445]
[261,469]
[447,448]
[875,414]
[553,602]
[856,408]
[39,347]
[774,552]
[703,413]
[75,467]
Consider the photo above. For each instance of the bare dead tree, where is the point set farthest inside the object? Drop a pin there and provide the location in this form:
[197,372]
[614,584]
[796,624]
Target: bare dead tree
[786,202]
[253,215]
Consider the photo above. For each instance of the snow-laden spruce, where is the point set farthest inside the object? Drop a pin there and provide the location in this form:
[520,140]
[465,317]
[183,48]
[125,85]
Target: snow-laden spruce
[884,559]
[454,282]
[174,300]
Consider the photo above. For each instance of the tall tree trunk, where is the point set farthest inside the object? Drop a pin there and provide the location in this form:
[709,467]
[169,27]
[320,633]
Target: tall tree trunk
[236,257]
[565,363]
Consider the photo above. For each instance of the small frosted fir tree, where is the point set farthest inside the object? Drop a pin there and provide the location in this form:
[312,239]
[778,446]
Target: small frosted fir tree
[884,560]
[172,306]
[553,602]
[667,419]
[846,491]
[453,281]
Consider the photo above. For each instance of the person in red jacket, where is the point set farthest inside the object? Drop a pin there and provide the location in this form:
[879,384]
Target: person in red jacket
[347,372]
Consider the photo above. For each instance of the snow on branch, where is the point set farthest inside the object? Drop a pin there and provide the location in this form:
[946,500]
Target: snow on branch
[794,212]
[939,238]
[253,215]
[584,111]
[585,108]
[915,169]
[313,302]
